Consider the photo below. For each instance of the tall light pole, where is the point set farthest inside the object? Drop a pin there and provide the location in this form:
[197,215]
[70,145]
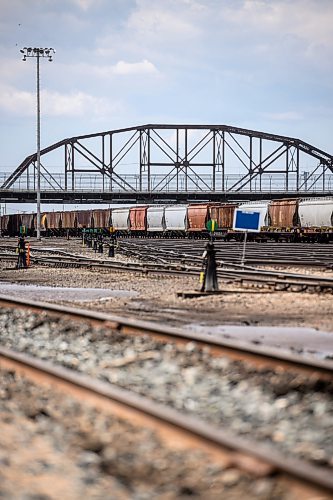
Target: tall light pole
[38,53]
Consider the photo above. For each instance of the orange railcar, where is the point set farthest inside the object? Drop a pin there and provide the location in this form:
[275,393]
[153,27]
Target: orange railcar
[138,218]
[197,217]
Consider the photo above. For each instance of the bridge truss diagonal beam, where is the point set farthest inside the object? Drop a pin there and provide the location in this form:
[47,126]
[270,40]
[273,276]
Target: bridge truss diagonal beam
[158,159]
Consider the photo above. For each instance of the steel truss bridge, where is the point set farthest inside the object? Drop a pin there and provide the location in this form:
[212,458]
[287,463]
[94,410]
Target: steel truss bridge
[172,163]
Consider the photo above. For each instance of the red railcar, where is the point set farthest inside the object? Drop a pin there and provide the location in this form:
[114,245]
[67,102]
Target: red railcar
[197,217]
[138,219]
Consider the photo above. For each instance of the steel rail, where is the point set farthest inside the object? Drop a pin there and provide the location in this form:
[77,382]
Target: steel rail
[200,433]
[270,254]
[238,349]
[242,276]
[281,254]
[186,258]
[235,248]
[276,279]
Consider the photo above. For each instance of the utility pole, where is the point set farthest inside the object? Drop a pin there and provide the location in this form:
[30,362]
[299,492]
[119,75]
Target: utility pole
[38,53]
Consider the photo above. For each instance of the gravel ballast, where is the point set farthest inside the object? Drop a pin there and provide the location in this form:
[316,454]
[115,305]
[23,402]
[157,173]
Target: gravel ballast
[154,297]
[291,411]
[52,446]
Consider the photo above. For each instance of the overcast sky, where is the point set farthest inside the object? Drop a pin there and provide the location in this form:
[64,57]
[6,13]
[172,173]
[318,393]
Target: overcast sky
[260,64]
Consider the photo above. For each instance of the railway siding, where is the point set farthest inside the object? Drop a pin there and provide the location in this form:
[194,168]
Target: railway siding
[80,450]
[291,411]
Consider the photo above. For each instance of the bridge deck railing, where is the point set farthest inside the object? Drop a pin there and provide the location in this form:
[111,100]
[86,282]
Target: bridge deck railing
[95,183]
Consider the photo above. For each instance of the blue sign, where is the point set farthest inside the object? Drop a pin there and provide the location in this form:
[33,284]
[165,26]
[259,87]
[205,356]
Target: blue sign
[245,220]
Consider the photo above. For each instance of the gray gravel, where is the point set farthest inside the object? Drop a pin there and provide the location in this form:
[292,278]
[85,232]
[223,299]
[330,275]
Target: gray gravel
[291,411]
[53,447]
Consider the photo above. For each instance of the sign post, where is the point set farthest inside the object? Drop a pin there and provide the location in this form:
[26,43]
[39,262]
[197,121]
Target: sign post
[245,220]
[244,248]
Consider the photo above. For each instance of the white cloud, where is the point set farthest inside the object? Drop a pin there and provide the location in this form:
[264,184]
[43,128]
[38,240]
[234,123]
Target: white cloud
[84,4]
[161,21]
[16,101]
[76,104]
[284,116]
[302,19]
[144,67]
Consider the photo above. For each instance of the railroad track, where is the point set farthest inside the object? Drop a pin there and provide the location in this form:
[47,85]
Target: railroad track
[278,254]
[288,254]
[173,263]
[260,355]
[229,271]
[240,450]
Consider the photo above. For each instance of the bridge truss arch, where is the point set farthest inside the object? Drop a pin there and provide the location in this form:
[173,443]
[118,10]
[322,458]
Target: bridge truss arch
[152,163]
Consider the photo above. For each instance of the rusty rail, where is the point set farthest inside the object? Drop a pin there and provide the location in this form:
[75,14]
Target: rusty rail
[257,354]
[255,457]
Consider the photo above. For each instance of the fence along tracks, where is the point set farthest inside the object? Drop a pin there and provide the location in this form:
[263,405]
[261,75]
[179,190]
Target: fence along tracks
[258,458]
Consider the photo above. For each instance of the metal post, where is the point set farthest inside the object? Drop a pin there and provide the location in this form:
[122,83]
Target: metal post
[297,169]
[111,158]
[287,169]
[185,161]
[66,166]
[73,167]
[223,162]
[148,166]
[141,161]
[250,168]
[260,163]
[38,53]
[38,151]
[103,161]
[244,248]
[214,158]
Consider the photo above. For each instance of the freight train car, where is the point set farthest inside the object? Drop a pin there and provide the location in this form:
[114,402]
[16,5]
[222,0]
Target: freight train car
[138,221]
[156,225]
[261,207]
[288,219]
[4,224]
[120,221]
[223,214]
[197,218]
[53,222]
[84,219]
[100,218]
[316,218]
[283,215]
[176,220]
